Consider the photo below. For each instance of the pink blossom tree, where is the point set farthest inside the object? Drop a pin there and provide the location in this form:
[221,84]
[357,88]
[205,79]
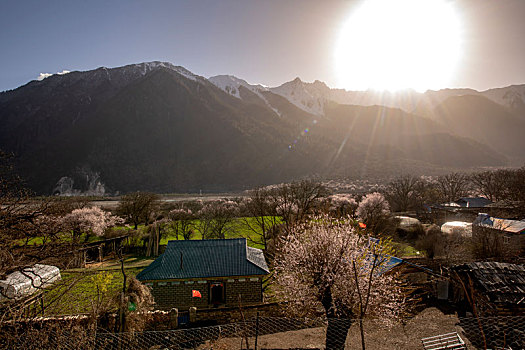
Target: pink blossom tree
[374,211]
[326,265]
[342,205]
[216,218]
[90,221]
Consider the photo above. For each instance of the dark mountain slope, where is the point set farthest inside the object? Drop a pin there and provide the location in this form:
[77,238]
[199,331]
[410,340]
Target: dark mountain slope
[392,134]
[485,121]
[158,127]
[167,133]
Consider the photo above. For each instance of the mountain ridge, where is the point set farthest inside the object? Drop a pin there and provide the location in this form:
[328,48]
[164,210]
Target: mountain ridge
[156,126]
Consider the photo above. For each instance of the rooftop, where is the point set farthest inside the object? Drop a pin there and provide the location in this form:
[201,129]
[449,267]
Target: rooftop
[206,258]
[500,282]
[473,202]
[511,226]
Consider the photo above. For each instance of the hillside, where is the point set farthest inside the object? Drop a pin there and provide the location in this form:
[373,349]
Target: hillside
[485,121]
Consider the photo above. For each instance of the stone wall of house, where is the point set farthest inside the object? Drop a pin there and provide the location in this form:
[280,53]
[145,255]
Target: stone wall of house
[178,293]
[236,314]
[248,288]
[494,240]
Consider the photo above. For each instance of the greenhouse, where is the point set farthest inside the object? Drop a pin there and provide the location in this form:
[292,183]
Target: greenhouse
[28,280]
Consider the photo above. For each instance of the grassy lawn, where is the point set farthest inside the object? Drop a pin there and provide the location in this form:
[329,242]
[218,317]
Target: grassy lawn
[237,229]
[405,250]
[77,292]
[64,237]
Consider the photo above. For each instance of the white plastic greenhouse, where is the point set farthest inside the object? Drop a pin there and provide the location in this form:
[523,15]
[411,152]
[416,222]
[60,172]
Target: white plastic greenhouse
[27,281]
[408,223]
[459,228]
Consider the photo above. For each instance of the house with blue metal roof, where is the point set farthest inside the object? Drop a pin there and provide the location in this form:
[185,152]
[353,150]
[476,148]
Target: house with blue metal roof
[497,236]
[206,273]
[473,202]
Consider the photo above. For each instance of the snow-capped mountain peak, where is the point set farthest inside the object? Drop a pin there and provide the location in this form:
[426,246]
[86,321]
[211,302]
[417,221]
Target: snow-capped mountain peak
[231,84]
[147,67]
[310,97]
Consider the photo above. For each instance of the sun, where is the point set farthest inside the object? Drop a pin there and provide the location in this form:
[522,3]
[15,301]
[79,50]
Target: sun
[401,44]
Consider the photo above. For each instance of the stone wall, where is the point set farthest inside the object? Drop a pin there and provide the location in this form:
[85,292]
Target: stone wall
[178,293]
[494,242]
[234,314]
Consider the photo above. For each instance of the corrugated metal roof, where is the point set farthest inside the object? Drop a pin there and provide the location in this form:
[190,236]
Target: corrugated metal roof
[511,226]
[501,282]
[206,258]
[473,202]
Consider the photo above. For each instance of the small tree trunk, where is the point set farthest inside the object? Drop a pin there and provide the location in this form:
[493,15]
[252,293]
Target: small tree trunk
[336,333]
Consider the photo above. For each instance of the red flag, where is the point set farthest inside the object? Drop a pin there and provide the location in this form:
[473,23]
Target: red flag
[362,225]
[196,294]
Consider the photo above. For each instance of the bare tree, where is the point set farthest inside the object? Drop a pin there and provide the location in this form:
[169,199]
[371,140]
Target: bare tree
[181,222]
[489,184]
[487,242]
[325,264]
[453,186]
[401,193]
[261,219]
[294,202]
[30,232]
[138,207]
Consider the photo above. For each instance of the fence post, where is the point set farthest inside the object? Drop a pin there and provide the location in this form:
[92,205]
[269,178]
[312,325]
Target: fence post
[193,314]
[174,318]
[256,330]
[42,304]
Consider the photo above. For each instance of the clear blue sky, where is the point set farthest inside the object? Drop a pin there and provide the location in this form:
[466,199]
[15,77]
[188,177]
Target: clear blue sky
[268,42]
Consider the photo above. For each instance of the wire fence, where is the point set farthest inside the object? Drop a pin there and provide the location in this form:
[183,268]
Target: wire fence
[290,333]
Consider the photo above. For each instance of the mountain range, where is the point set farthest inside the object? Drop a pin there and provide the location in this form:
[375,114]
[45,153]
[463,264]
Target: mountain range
[159,127]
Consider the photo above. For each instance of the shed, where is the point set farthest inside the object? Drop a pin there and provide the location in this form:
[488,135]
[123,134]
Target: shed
[220,270]
[28,280]
[498,288]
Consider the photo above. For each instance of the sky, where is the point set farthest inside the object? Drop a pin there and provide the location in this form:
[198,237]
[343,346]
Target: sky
[264,42]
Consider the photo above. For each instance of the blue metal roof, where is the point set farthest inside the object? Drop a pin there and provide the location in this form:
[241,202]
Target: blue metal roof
[206,258]
[473,202]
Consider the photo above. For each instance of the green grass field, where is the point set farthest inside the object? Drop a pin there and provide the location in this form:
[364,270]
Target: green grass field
[236,230]
[81,291]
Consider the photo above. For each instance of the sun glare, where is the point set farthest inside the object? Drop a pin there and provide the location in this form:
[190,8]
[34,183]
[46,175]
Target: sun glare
[393,45]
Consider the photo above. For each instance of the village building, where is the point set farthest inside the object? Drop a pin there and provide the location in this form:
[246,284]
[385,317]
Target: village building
[507,209]
[473,202]
[498,289]
[508,235]
[464,209]
[206,273]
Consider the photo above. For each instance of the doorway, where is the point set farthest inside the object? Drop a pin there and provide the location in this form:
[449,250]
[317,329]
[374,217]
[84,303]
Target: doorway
[216,294]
